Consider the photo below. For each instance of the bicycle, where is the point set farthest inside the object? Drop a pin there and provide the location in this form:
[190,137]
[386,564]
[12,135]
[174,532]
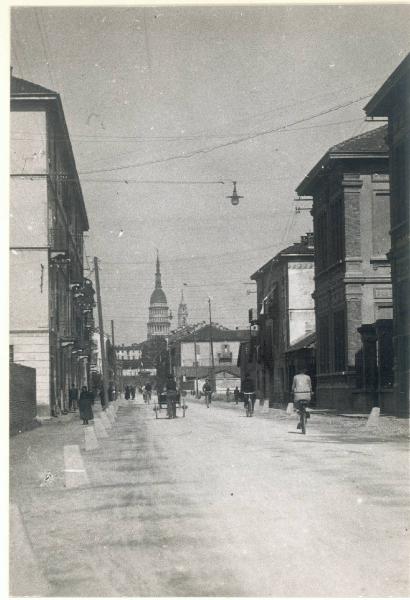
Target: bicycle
[304,415]
[249,403]
[208,398]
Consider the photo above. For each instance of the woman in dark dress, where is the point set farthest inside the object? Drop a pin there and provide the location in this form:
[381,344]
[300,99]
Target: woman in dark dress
[85,406]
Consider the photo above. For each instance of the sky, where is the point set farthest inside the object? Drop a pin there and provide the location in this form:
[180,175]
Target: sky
[165,103]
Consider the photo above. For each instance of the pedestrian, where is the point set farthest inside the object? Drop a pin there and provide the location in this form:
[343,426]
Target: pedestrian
[236,394]
[127,392]
[102,397]
[86,411]
[132,390]
[228,395]
[110,392]
[72,398]
[171,388]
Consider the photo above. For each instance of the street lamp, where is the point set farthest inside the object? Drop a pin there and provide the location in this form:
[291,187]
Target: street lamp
[234,198]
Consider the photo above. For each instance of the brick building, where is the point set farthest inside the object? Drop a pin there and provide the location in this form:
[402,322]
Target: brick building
[285,313]
[350,190]
[50,300]
[393,101]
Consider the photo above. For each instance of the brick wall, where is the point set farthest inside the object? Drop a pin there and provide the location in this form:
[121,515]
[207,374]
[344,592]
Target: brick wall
[22,399]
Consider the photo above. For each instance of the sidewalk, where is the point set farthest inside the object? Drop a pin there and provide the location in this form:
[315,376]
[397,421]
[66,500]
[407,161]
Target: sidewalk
[329,422]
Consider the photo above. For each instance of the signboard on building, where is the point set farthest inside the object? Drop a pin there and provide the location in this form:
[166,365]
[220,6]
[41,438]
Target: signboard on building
[136,372]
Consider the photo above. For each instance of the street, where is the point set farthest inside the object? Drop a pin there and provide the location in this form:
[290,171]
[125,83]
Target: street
[216,504]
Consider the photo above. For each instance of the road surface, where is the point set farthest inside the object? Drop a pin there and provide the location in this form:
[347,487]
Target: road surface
[217,504]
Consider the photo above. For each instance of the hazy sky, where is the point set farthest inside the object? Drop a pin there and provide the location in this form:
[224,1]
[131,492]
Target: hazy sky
[141,87]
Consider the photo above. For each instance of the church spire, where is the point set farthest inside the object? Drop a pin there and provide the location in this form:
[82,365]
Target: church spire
[182,312]
[158,273]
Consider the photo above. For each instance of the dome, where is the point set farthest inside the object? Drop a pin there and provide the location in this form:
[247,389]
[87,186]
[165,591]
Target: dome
[158,297]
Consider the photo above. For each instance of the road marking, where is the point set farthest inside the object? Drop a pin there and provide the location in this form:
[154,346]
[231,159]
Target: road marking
[75,473]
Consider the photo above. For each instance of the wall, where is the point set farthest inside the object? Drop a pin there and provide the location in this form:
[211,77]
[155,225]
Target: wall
[28,141]
[29,308]
[22,398]
[300,302]
[32,349]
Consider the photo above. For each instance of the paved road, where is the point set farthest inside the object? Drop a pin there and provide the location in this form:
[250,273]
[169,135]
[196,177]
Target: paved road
[217,504]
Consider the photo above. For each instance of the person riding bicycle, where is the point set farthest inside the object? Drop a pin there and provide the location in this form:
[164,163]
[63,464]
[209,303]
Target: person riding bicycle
[301,389]
[207,390]
[248,389]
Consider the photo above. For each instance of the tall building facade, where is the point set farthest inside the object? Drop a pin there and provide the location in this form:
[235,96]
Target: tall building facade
[182,312]
[351,216]
[51,301]
[392,101]
[159,316]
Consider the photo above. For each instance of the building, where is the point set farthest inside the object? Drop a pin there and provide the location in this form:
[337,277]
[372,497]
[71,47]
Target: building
[191,356]
[285,314]
[182,312]
[351,214]
[159,316]
[392,101]
[50,300]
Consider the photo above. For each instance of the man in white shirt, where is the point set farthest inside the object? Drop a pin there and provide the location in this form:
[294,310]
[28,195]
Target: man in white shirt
[301,387]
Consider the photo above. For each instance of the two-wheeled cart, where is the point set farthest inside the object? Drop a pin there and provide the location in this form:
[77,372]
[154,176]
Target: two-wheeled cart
[162,406]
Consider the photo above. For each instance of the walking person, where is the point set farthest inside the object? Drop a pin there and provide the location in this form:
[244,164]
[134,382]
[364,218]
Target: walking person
[248,389]
[127,392]
[236,394]
[228,395]
[132,390]
[171,388]
[85,405]
[72,398]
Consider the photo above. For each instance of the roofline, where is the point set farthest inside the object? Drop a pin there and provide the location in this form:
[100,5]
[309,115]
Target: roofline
[283,254]
[55,97]
[373,108]
[325,161]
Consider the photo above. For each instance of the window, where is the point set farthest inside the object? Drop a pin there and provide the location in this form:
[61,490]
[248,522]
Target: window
[11,354]
[337,230]
[323,344]
[322,250]
[339,339]
[380,224]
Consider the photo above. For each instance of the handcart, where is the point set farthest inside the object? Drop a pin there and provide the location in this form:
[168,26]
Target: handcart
[162,405]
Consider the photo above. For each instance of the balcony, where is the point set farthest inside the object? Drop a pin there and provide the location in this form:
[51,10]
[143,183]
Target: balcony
[224,358]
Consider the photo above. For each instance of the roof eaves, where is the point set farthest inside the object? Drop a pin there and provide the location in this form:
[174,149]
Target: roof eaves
[375,107]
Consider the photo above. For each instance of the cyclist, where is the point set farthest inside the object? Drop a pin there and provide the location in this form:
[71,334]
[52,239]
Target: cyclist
[248,390]
[147,392]
[207,390]
[302,391]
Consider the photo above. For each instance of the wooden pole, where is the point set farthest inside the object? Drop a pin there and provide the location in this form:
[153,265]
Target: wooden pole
[211,342]
[115,359]
[196,367]
[101,328]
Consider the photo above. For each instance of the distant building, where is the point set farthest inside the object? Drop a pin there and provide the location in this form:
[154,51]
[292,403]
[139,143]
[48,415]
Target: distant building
[159,317]
[51,301]
[191,355]
[285,313]
[351,216]
[392,101]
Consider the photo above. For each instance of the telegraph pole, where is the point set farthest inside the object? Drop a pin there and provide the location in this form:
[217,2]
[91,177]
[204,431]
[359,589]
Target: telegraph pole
[115,358]
[196,367]
[211,342]
[101,327]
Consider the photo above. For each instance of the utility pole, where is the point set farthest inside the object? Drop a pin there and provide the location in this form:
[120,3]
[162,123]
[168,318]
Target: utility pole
[211,342]
[115,358]
[196,366]
[101,327]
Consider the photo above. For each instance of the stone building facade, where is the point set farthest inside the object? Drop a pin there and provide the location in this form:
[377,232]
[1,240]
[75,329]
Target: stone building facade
[393,101]
[350,190]
[51,301]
